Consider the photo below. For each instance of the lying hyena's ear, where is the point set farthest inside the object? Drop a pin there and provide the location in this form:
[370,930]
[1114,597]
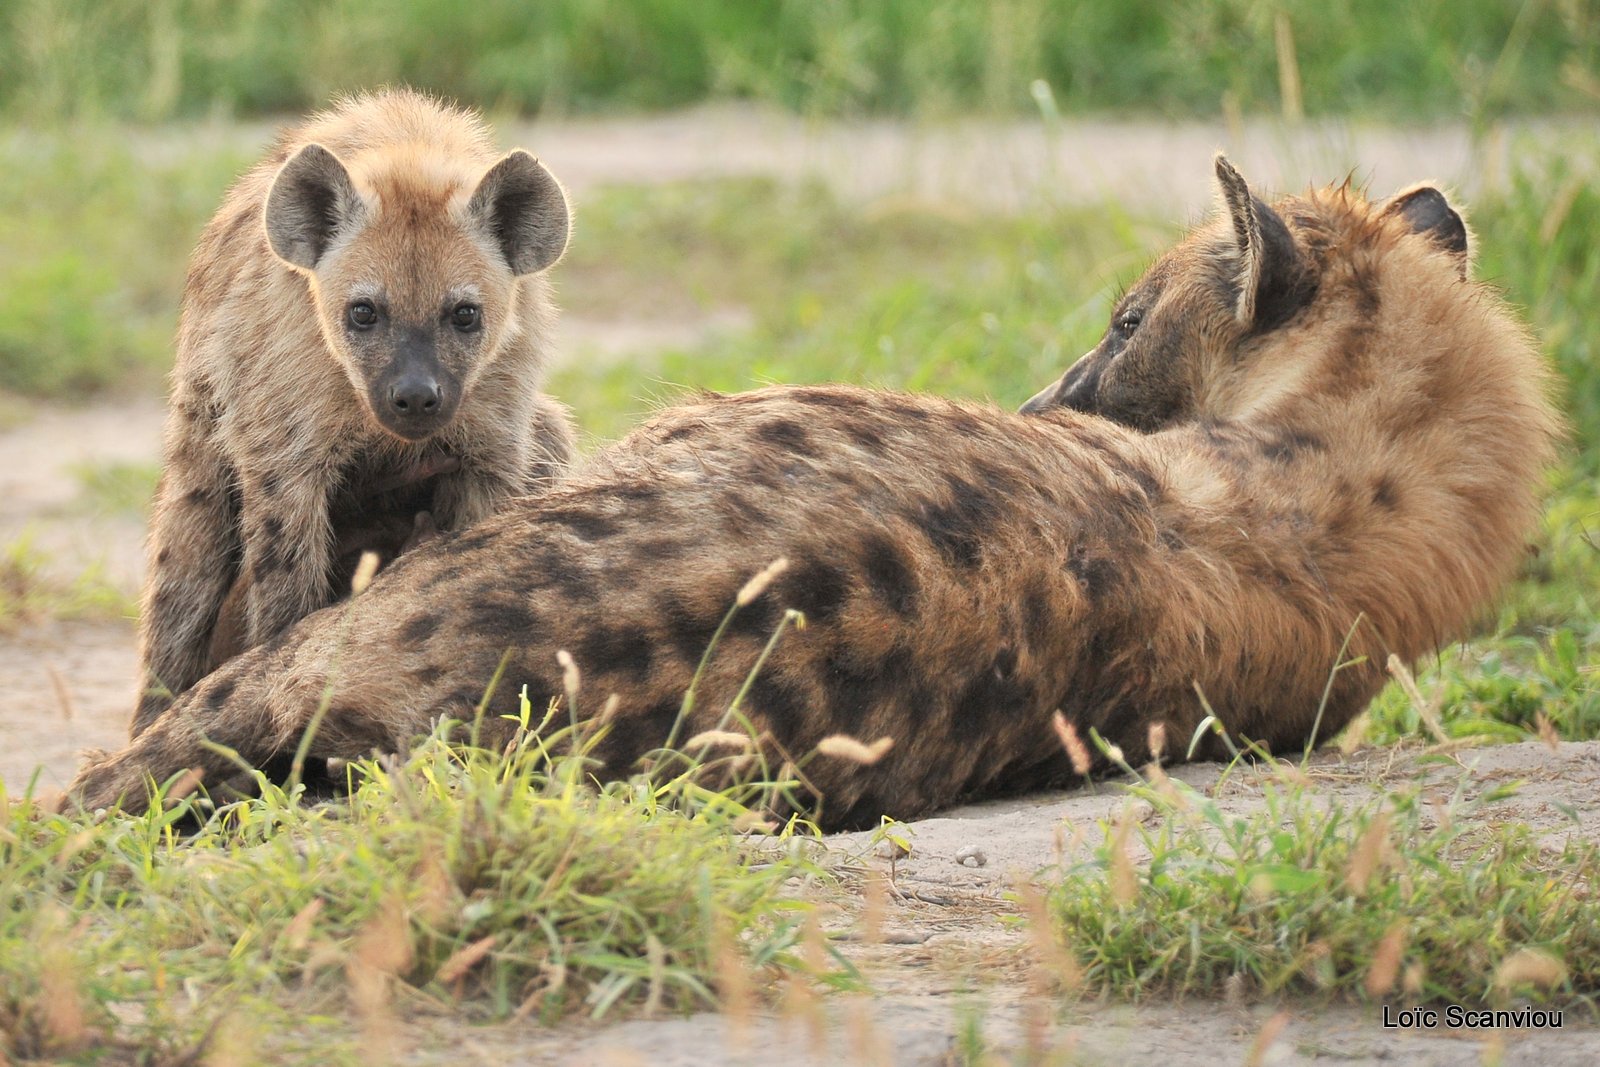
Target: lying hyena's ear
[521,205]
[1427,212]
[311,200]
[1271,281]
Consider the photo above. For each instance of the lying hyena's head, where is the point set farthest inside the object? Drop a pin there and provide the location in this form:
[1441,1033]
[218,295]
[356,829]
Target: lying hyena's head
[1209,315]
[414,267]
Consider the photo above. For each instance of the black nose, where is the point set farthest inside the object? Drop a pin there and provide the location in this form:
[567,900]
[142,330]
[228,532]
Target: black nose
[414,395]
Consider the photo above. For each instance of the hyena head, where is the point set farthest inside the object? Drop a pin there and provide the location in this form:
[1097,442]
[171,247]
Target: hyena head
[414,267]
[1212,316]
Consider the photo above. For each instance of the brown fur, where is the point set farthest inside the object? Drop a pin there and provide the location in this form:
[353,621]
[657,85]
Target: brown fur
[1354,450]
[284,456]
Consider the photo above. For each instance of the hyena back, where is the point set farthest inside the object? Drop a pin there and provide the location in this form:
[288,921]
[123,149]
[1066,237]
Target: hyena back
[1305,428]
[364,330]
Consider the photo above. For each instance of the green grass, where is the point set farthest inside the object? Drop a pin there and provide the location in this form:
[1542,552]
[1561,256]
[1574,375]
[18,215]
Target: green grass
[29,594]
[454,881]
[1438,58]
[1302,895]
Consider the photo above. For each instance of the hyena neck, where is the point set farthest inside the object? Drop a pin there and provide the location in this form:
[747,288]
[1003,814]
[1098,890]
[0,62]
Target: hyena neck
[1396,479]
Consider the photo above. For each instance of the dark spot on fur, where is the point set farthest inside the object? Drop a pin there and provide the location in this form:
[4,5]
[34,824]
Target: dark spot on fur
[163,555]
[783,706]
[817,588]
[508,618]
[587,525]
[825,398]
[622,649]
[427,676]
[889,575]
[420,628]
[956,529]
[688,630]
[1290,445]
[993,696]
[270,483]
[677,433]
[757,619]
[218,694]
[1140,475]
[638,493]
[1385,494]
[864,434]
[787,435]
[272,526]
[655,550]
[200,495]
[1096,574]
[1171,540]
[1038,617]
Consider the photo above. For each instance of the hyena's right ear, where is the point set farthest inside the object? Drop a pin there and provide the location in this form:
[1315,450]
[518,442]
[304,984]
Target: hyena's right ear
[1426,211]
[311,200]
[521,206]
[1270,279]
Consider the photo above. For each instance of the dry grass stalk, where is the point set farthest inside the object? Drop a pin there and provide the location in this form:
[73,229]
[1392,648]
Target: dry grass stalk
[463,959]
[1427,710]
[1368,854]
[1385,966]
[843,746]
[366,570]
[1124,882]
[1266,1037]
[1529,966]
[1077,751]
[719,739]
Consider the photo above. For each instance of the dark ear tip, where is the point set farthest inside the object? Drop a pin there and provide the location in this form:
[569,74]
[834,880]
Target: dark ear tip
[1426,211]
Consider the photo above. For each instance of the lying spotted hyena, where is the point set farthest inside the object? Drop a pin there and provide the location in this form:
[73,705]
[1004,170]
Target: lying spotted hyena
[1303,416]
[364,331]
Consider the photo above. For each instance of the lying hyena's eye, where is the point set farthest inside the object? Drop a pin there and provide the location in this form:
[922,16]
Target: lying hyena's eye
[363,315]
[1127,322]
[466,317]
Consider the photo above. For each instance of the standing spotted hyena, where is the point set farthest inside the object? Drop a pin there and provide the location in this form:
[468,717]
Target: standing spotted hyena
[364,329]
[1304,423]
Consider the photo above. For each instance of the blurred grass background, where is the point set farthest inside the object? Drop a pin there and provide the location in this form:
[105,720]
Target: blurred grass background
[159,59]
[97,220]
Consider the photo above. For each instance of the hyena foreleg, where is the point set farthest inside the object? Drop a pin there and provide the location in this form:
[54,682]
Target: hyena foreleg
[193,559]
[287,550]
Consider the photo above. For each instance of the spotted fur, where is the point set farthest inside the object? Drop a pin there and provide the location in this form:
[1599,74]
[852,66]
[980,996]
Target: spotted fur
[1232,500]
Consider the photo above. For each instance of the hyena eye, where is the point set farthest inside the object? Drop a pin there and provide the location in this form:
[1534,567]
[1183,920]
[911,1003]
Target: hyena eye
[466,317]
[1128,322]
[363,316]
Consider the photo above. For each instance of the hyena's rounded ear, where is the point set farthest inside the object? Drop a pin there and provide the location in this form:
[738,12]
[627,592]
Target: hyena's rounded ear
[311,200]
[521,206]
[1270,280]
[1427,212]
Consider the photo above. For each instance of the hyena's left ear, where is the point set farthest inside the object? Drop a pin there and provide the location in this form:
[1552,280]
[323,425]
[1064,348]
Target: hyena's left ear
[1427,212]
[1270,277]
[521,206]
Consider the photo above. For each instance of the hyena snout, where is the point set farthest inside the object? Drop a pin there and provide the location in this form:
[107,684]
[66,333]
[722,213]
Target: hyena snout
[414,398]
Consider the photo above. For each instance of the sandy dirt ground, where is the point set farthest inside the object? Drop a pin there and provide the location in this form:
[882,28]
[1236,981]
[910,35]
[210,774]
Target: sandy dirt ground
[70,683]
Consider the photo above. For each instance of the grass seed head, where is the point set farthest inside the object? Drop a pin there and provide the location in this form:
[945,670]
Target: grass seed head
[843,746]
[758,585]
[1077,751]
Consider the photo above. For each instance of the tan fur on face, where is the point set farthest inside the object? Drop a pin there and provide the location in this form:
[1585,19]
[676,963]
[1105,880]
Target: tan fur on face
[275,464]
[1365,467]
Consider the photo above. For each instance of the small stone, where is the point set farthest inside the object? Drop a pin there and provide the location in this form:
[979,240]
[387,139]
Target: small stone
[972,856]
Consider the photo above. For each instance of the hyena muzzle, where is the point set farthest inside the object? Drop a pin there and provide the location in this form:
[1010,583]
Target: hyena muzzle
[1304,430]
[363,334]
